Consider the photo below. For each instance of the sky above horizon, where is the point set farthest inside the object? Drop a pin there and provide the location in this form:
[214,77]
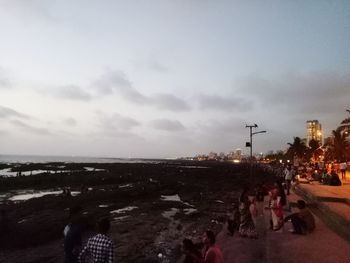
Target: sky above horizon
[169,78]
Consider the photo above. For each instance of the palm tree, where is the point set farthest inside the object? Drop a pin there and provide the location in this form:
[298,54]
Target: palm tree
[297,148]
[314,150]
[345,124]
[339,146]
[345,128]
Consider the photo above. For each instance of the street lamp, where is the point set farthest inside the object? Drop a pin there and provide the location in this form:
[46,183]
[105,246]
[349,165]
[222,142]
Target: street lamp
[250,144]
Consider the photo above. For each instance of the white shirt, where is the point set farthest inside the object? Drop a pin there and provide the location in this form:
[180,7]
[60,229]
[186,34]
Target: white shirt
[287,174]
[343,166]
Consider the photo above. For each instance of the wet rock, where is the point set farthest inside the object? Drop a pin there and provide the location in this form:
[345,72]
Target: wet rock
[139,234]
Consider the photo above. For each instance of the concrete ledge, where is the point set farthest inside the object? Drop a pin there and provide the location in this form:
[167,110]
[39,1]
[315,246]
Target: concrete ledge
[334,212]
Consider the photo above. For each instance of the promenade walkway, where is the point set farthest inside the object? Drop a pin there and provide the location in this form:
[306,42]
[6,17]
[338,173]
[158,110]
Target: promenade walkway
[330,242]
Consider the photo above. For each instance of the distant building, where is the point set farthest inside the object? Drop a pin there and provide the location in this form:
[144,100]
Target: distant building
[236,156]
[313,132]
[213,156]
[200,157]
[222,156]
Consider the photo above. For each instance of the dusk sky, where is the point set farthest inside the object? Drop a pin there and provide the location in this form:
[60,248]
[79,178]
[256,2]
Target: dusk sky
[169,78]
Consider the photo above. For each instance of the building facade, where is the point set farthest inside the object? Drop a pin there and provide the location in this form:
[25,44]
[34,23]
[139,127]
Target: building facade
[313,132]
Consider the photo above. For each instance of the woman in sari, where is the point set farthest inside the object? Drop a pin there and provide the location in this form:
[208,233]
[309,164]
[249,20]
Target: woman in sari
[246,227]
[276,203]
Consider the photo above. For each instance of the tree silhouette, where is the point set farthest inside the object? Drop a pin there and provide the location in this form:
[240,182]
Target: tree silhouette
[345,124]
[314,149]
[339,146]
[297,148]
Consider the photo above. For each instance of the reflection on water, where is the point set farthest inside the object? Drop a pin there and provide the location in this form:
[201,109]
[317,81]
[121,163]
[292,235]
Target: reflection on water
[24,195]
[188,211]
[123,210]
[120,218]
[175,198]
[8,172]
[126,185]
[92,169]
[169,214]
[103,206]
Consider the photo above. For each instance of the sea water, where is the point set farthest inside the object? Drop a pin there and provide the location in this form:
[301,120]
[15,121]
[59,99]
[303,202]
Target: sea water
[71,159]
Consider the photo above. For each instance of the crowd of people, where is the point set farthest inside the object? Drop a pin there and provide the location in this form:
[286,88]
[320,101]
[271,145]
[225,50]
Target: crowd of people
[242,216]
[325,173]
[99,248]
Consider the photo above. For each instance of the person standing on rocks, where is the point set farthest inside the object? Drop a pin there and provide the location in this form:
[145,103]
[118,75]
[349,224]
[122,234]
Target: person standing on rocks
[99,248]
[72,235]
[212,252]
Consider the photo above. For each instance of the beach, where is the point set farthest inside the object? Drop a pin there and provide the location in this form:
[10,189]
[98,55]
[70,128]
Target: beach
[152,205]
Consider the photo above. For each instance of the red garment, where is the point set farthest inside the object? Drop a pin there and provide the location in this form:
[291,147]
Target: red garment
[214,255]
[276,209]
[192,258]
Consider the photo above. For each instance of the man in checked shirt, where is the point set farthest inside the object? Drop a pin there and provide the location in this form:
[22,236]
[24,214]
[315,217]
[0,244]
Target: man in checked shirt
[99,248]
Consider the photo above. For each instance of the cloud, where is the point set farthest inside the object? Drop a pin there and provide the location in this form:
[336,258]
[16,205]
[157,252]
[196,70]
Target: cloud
[219,127]
[155,65]
[314,91]
[208,102]
[28,9]
[6,112]
[169,102]
[5,82]
[28,128]
[116,123]
[71,92]
[70,122]
[167,125]
[3,132]
[221,134]
[289,100]
[116,82]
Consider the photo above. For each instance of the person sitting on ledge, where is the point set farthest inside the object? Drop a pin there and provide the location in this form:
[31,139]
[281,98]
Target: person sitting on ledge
[325,178]
[334,180]
[303,221]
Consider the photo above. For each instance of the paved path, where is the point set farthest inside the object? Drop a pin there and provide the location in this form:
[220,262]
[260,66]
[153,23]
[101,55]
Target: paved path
[322,246]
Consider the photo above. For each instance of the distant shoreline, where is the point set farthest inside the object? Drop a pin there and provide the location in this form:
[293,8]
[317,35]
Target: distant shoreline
[14,158]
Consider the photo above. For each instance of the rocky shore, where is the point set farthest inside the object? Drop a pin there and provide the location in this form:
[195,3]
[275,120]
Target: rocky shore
[152,206]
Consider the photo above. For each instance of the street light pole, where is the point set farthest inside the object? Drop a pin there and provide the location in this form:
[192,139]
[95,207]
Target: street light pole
[251,133]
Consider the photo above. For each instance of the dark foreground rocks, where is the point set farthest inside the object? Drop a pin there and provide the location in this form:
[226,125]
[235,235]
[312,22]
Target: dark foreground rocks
[152,206]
